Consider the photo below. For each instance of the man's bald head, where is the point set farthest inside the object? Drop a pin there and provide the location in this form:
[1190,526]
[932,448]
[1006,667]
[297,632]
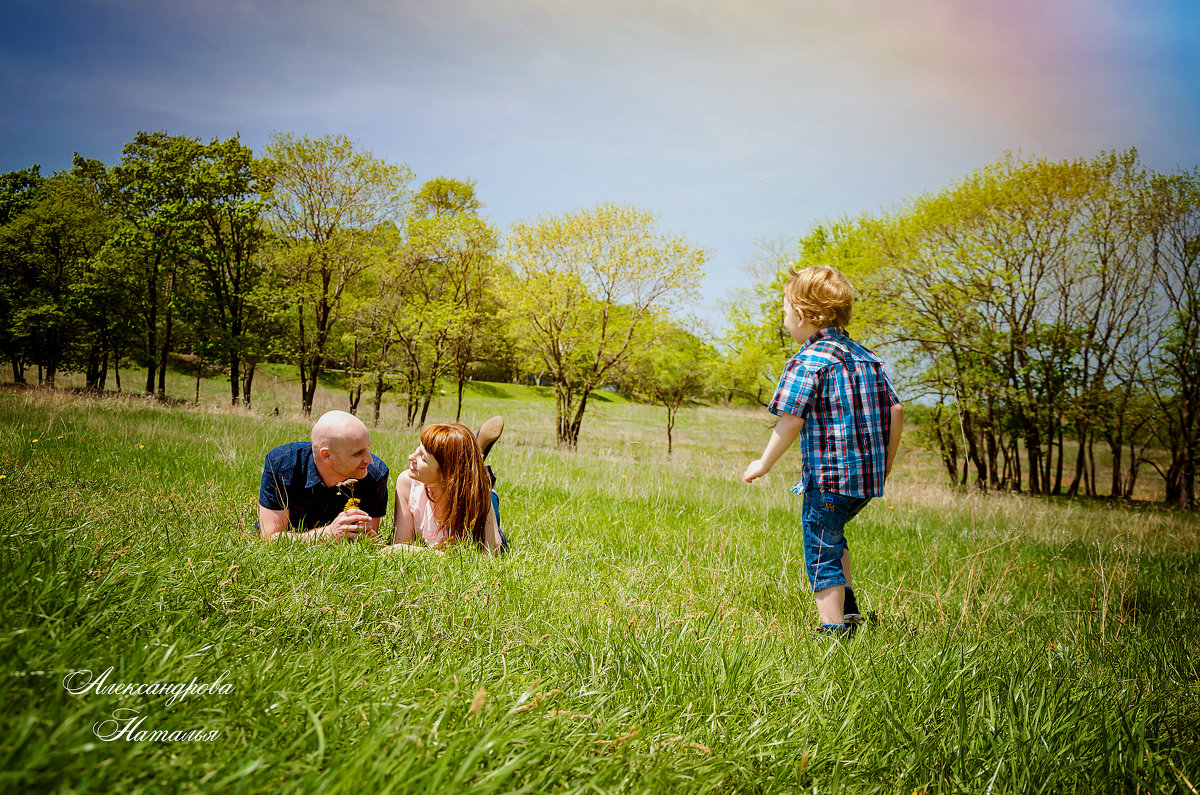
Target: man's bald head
[334,425]
[341,444]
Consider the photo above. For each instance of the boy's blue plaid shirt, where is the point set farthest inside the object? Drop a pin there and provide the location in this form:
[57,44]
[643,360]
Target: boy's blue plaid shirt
[840,390]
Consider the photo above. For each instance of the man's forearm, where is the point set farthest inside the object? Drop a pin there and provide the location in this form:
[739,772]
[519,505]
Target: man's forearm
[349,525]
[310,536]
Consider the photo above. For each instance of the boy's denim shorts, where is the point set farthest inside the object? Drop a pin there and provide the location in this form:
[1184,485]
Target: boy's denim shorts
[825,515]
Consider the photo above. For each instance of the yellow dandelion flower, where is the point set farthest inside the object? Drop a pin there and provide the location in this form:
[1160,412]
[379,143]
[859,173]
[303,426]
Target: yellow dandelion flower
[2,477]
[141,446]
[35,441]
[58,437]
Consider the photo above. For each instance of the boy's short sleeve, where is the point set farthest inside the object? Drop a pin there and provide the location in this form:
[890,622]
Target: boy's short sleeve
[889,391]
[797,385]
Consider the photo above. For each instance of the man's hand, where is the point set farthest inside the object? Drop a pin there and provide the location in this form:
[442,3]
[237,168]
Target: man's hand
[349,525]
[755,470]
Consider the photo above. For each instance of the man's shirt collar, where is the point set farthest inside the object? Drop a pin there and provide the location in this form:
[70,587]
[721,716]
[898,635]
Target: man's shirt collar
[312,476]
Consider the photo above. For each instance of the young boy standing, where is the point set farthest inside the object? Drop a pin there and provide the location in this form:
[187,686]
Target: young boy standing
[835,394]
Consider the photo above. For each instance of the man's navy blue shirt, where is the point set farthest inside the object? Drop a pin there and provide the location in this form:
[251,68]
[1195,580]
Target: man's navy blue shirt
[290,480]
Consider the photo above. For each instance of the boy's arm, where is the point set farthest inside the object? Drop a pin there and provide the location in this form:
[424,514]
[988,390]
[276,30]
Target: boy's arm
[785,432]
[894,437]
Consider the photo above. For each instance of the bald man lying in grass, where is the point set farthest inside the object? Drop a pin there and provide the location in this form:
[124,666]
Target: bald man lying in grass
[329,489]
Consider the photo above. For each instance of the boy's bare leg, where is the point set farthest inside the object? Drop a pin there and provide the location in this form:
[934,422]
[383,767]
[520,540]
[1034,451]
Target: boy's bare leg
[832,601]
[829,604]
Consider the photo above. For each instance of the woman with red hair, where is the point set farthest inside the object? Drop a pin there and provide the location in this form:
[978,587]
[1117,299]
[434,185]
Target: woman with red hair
[446,496]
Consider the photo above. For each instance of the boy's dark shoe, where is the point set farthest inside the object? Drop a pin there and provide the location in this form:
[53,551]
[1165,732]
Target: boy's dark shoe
[488,433]
[850,608]
[836,631]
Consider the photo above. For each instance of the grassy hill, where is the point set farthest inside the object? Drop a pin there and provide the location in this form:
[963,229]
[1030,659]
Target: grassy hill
[650,631]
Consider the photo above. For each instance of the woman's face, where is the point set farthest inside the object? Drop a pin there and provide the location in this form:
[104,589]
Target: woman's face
[423,467]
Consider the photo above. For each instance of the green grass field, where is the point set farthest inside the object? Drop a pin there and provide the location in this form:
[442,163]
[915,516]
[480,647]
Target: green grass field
[650,631]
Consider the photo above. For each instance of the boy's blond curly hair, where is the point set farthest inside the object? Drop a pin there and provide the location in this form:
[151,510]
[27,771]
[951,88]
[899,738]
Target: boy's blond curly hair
[822,293]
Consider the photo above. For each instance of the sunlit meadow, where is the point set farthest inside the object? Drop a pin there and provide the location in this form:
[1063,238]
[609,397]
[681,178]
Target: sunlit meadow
[651,629]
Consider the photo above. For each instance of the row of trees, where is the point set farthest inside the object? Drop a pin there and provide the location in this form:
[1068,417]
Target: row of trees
[1033,304]
[1038,308]
[319,253]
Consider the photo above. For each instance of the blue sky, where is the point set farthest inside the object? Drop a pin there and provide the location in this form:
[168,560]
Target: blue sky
[733,121]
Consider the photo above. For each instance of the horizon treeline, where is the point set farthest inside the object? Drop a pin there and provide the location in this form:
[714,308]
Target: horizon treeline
[1031,304]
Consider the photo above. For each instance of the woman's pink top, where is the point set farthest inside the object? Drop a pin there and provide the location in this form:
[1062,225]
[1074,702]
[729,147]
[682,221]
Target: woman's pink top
[424,521]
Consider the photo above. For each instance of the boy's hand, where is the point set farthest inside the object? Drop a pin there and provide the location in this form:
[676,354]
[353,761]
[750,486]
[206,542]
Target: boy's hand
[755,470]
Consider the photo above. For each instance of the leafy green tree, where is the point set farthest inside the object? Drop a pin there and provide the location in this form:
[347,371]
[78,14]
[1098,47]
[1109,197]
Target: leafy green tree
[586,288]
[223,215]
[984,276]
[1175,358]
[445,289]
[331,202]
[148,188]
[674,369]
[19,190]
[60,316]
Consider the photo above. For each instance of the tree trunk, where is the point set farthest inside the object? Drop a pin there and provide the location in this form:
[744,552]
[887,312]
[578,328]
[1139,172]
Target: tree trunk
[1077,478]
[235,378]
[1033,453]
[425,405]
[151,328]
[1058,471]
[308,383]
[166,346]
[462,382]
[1016,461]
[1091,481]
[103,371]
[947,447]
[989,439]
[670,428]
[568,417]
[379,390]
[52,361]
[981,475]
[247,381]
[1187,476]
[92,368]
[235,359]
[1116,449]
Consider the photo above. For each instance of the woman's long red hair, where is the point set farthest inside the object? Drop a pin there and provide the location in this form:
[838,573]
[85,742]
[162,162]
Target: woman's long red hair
[466,487]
